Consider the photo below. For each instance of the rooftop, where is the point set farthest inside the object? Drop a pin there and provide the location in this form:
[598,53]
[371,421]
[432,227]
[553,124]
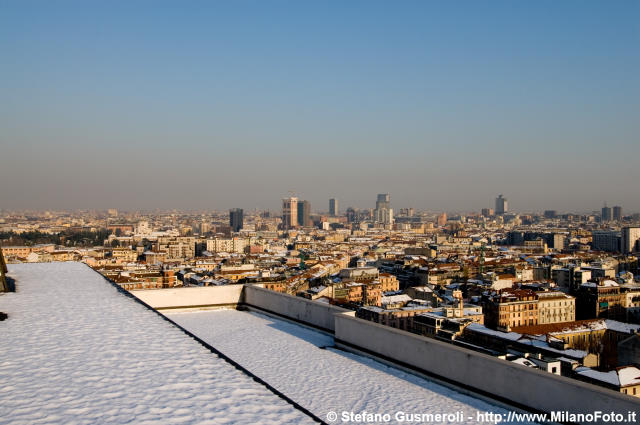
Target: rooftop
[76,350]
[303,364]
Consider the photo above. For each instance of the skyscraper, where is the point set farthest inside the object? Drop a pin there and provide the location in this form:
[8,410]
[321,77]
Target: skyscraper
[383,201]
[606,213]
[290,212]
[502,205]
[236,217]
[383,212]
[304,211]
[617,212]
[333,207]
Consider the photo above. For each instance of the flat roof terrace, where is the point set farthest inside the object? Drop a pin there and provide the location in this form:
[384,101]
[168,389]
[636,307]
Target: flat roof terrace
[77,350]
[303,364]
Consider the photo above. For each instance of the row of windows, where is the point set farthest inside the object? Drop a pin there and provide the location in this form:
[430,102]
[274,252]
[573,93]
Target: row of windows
[531,322]
[577,338]
[518,307]
[506,316]
[556,304]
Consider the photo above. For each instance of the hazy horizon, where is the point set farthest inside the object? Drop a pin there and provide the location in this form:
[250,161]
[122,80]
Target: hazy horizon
[315,209]
[214,105]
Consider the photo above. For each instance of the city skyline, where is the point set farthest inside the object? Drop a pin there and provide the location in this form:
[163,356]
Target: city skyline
[150,105]
[314,209]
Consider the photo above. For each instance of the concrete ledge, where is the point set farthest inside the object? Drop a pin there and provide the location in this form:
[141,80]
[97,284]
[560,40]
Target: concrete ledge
[252,308]
[515,384]
[191,298]
[299,309]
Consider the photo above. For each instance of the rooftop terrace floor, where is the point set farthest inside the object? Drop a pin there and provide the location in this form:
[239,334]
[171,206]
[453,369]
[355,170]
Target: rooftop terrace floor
[302,364]
[75,350]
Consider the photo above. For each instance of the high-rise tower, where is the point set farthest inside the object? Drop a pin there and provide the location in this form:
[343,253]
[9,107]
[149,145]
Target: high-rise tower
[304,212]
[617,213]
[383,212]
[606,213]
[290,212]
[333,207]
[502,205]
[236,218]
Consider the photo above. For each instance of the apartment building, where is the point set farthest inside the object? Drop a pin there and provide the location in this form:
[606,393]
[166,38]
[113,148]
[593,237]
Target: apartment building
[555,307]
[177,247]
[599,299]
[511,308]
[388,282]
[24,251]
[236,245]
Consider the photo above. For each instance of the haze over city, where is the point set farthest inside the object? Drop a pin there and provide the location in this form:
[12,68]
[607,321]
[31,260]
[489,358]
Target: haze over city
[148,105]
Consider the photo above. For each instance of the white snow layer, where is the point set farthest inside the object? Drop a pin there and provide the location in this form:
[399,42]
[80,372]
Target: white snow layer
[300,363]
[76,351]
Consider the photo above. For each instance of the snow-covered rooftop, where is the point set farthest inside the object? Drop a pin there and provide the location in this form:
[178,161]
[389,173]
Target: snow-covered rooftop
[393,299]
[610,377]
[622,327]
[606,283]
[629,375]
[302,364]
[76,350]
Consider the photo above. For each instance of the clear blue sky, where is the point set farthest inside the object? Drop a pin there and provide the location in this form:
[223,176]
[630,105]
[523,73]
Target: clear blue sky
[156,104]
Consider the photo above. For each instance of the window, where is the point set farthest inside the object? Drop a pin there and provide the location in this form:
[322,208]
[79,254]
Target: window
[554,369]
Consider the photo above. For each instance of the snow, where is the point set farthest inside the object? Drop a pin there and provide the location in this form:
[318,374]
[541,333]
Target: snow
[629,375]
[526,340]
[571,327]
[422,289]
[606,283]
[75,350]
[622,327]
[394,299]
[303,364]
[524,362]
[610,377]
[513,336]
[570,352]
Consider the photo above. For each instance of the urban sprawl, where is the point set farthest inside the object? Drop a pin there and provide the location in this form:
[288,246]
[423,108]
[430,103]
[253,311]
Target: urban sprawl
[556,292]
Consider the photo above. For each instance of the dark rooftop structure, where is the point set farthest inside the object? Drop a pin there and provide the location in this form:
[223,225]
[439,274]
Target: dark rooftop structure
[3,271]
